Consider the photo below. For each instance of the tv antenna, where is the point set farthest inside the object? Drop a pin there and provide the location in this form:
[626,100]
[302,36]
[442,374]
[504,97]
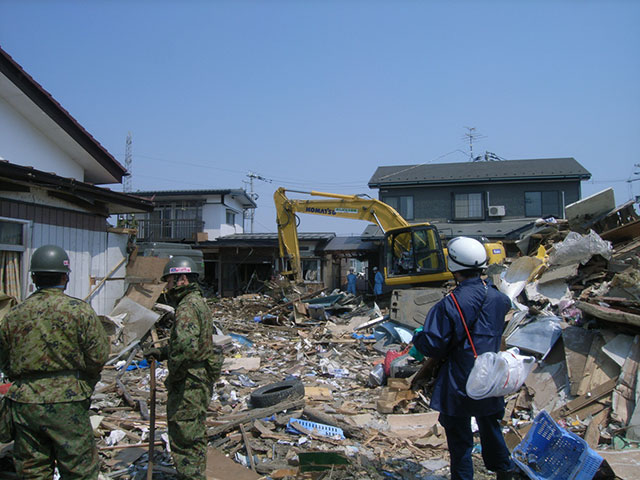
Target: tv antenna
[472,135]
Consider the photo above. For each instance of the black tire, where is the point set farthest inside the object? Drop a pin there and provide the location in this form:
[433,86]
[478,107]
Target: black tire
[276,392]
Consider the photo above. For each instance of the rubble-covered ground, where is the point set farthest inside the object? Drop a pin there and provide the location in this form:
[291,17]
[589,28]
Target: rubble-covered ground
[577,311]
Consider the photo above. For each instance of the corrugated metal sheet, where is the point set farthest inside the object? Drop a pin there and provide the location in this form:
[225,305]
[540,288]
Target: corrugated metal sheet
[92,254]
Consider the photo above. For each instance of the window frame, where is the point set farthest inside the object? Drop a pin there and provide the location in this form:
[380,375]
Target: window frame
[482,208]
[23,249]
[227,212]
[543,210]
[396,202]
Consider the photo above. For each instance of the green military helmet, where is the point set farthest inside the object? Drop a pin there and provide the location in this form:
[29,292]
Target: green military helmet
[50,259]
[179,266]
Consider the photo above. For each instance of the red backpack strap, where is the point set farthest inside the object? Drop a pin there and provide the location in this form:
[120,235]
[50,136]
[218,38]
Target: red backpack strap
[466,329]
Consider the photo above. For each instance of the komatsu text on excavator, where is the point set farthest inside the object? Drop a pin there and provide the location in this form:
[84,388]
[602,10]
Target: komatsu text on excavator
[413,253]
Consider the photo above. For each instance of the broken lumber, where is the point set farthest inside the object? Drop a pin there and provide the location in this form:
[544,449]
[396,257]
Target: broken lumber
[609,314]
[317,416]
[254,414]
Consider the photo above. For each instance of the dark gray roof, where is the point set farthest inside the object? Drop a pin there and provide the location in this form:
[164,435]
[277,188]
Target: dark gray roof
[243,195]
[539,169]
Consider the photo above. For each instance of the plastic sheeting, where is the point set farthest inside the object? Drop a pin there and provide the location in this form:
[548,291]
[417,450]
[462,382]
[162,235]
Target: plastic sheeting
[538,336]
[518,275]
[580,248]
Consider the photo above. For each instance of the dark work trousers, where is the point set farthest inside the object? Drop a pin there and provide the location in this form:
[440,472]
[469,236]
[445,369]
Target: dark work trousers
[460,441]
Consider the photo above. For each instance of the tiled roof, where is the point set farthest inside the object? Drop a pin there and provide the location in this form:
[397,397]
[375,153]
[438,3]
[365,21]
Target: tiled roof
[541,168]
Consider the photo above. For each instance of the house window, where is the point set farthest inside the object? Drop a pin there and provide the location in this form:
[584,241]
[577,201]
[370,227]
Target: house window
[541,204]
[231,217]
[311,269]
[403,205]
[171,221]
[12,236]
[467,206]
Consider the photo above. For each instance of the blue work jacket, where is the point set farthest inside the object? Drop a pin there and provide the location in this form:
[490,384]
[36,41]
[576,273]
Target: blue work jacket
[351,283]
[377,283]
[443,337]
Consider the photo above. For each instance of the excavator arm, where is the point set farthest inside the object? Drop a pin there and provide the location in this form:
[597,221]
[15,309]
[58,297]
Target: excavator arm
[333,205]
[413,253]
[410,249]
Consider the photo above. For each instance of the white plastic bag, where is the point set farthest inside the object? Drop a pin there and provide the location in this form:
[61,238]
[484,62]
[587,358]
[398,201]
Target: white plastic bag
[498,374]
[579,248]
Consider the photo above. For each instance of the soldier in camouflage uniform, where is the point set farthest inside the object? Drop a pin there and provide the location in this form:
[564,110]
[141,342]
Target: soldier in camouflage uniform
[52,347]
[194,366]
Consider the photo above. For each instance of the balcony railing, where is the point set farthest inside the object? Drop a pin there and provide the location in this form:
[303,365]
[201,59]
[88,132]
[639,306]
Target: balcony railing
[168,230]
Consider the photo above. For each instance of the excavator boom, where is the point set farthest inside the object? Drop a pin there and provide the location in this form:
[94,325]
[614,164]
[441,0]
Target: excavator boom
[413,252]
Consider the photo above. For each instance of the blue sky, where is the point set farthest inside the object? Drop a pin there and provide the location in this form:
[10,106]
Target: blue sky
[317,94]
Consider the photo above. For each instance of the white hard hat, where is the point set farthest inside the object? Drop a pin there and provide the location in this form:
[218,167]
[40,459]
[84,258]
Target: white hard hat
[466,254]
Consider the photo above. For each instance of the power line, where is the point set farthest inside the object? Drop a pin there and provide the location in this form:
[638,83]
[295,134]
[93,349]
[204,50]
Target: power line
[284,181]
[420,165]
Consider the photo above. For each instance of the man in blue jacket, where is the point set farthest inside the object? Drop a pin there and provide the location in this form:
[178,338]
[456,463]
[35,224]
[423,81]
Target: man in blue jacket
[378,280]
[351,282]
[444,337]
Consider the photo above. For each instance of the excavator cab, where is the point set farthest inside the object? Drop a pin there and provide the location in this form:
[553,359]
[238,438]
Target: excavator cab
[414,254]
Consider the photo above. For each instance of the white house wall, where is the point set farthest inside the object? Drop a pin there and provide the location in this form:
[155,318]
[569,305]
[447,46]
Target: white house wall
[92,254]
[22,144]
[214,215]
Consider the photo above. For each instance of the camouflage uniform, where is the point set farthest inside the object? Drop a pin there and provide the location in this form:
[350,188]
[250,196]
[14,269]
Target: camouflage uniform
[53,347]
[194,366]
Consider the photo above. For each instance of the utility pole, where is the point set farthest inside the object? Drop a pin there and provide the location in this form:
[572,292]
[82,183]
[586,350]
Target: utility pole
[254,196]
[128,165]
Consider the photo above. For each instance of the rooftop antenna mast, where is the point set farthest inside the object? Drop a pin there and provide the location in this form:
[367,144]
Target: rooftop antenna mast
[254,196]
[472,135]
[128,164]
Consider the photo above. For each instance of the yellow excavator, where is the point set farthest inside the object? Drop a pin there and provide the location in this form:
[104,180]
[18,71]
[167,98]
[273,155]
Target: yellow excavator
[413,253]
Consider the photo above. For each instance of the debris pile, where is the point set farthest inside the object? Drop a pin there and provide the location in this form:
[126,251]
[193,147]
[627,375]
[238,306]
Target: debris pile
[325,381]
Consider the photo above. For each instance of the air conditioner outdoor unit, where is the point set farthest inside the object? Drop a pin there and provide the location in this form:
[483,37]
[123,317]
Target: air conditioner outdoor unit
[496,211]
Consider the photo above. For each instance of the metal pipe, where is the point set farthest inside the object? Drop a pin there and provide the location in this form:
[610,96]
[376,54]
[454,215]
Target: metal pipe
[152,415]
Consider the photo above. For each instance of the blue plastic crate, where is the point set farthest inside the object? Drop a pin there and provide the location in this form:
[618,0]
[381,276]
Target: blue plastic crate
[549,452]
[316,428]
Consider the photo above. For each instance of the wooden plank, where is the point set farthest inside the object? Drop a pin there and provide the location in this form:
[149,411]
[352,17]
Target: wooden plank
[592,435]
[591,409]
[245,439]
[589,397]
[624,395]
[145,294]
[577,344]
[609,314]
[599,368]
[624,232]
[148,267]
[254,414]
[317,416]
